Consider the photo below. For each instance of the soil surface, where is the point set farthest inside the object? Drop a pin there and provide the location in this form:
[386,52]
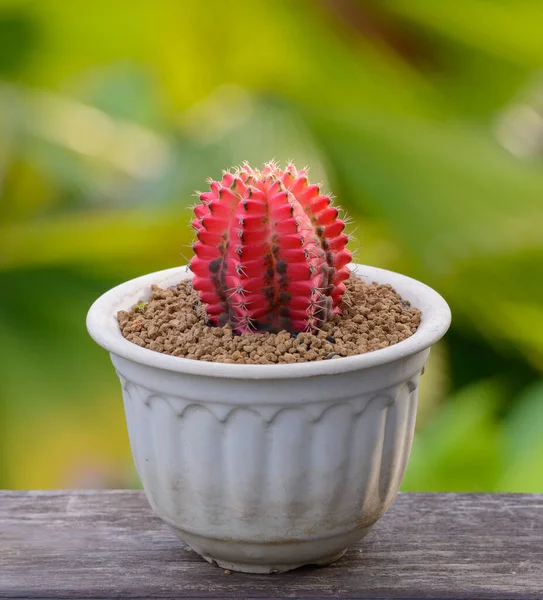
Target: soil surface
[173,321]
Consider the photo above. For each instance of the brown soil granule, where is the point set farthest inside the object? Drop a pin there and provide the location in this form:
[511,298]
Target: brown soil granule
[173,321]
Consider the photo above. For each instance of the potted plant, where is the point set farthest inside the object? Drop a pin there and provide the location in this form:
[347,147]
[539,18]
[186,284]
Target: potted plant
[270,387]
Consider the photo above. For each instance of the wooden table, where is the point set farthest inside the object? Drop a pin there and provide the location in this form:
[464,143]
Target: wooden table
[108,544]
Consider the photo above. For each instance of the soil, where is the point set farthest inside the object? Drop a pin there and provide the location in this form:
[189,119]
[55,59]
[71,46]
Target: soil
[173,321]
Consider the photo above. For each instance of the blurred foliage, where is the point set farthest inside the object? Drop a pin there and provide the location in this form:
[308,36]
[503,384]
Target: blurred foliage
[424,118]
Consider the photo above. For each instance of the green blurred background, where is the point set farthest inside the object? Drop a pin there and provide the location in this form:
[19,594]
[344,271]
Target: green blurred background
[424,118]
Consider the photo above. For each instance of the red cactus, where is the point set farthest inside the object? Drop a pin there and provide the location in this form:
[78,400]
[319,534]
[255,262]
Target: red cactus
[270,251]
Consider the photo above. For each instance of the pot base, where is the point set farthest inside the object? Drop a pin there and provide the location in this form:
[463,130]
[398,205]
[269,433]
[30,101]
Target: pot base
[270,557]
[270,569]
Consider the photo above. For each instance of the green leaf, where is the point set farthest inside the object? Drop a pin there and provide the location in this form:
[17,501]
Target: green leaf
[510,29]
[459,449]
[523,443]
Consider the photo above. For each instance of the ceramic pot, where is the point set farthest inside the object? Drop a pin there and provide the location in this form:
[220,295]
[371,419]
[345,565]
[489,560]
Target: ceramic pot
[265,468]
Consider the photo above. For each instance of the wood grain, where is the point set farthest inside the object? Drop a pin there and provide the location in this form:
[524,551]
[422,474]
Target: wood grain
[108,544]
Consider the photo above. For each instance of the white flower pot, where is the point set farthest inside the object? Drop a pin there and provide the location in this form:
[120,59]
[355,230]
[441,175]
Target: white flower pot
[265,468]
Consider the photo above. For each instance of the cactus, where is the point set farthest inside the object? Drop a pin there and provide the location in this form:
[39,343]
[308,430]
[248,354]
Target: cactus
[270,253]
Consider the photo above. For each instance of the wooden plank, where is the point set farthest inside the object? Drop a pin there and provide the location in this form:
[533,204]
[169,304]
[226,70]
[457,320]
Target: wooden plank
[108,544]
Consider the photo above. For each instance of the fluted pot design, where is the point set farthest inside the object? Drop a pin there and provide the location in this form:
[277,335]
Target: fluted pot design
[265,468]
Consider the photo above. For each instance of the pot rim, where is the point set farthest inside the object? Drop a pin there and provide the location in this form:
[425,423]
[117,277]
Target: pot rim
[103,327]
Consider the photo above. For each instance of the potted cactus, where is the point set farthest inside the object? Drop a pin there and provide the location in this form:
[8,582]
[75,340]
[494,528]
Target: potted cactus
[270,387]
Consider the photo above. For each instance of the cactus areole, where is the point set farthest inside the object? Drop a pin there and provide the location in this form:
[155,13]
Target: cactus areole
[270,253]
